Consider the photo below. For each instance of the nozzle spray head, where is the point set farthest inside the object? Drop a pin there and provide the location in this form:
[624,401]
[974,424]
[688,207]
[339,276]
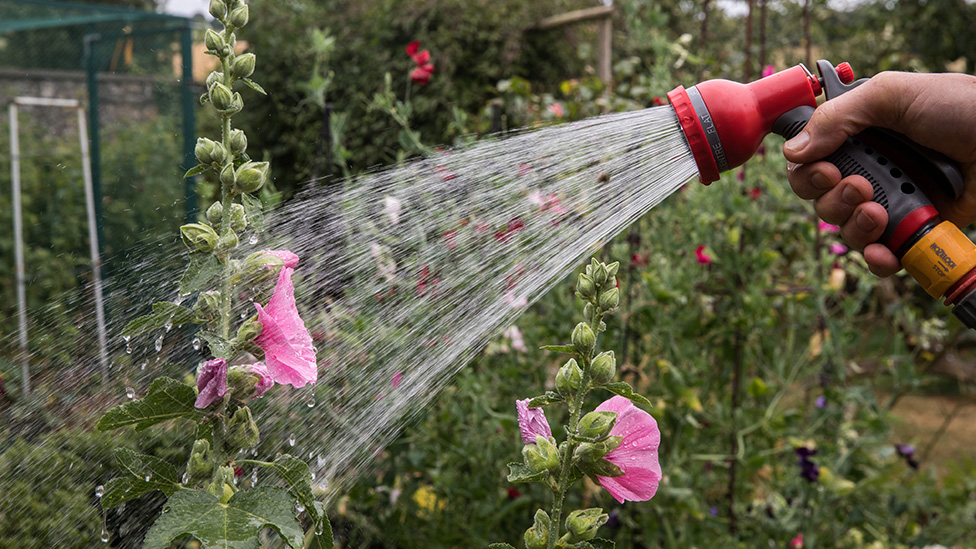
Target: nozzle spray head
[725,122]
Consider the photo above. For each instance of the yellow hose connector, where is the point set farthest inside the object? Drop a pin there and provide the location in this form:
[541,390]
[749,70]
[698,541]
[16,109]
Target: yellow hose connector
[940,258]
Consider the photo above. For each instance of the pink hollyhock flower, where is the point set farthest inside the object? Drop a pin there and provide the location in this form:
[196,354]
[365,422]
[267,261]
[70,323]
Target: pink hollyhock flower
[265,381]
[701,256]
[211,383]
[827,227]
[397,379]
[837,248]
[797,542]
[288,351]
[768,70]
[515,336]
[557,110]
[532,422]
[289,257]
[637,454]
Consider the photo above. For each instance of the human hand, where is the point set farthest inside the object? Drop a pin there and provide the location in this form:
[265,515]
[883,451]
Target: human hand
[937,111]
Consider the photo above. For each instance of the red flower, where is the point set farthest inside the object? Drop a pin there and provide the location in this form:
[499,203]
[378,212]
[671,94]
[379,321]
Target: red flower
[657,101]
[425,69]
[754,193]
[702,257]
[640,260]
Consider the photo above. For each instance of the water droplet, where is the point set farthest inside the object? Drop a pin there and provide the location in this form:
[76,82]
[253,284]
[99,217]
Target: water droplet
[148,477]
[312,474]
[243,315]
[291,440]
[311,401]
[105,537]
[319,528]
[320,461]
[128,349]
[254,477]
[99,491]
[253,240]
[159,343]
[130,393]
[126,338]
[299,508]
[144,364]
[185,479]
[168,326]
[197,344]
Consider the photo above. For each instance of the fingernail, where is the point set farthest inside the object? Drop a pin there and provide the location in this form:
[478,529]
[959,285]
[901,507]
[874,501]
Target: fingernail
[851,196]
[799,142]
[820,181]
[864,222]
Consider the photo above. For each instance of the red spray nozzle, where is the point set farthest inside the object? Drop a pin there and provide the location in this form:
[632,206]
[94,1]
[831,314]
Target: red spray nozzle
[726,121]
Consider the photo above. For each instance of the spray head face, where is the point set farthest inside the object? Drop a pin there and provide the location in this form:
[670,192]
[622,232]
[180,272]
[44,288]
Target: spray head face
[725,122]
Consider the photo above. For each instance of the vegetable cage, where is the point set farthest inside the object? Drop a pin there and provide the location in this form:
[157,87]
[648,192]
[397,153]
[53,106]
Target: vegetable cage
[129,75]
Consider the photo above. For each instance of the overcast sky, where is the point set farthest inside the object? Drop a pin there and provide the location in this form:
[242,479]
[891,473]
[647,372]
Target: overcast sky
[186,8]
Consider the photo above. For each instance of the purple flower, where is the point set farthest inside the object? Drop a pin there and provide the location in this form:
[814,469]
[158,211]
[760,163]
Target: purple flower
[211,383]
[821,401]
[809,471]
[532,422]
[637,454]
[907,451]
[288,351]
[837,248]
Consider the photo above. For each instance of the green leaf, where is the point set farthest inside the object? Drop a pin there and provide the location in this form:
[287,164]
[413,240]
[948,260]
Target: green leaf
[167,399]
[219,347]
[234,525]
[518,472]
[254,210]
[196,170]
[596,543]
[560,349]
[148,473]
[500,546]
[542,400]
[624,389]
[601,467]
[164,313]
[323,538]
[254,86]
[297,476]
[202,270]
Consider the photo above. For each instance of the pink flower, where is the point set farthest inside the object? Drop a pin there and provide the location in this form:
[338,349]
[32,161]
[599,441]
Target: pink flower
[827,227]
[211,383]
[424,70]
[768,70]
[288,351]
[515,336]
[265,381]
[702,257]
[397,379]
[557,110]
[837,248]
[532,422]
[637,454]
[797,542]
[289,257]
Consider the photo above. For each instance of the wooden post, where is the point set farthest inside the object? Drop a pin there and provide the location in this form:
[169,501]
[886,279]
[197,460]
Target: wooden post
[604,45]
[603,14]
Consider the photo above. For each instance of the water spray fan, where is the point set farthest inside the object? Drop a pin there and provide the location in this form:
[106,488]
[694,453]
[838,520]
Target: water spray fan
[725,122]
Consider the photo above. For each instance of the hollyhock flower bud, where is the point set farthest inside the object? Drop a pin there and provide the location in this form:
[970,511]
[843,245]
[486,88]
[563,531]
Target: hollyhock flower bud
[199,236]
[532,422]
[214,42]
[251,176]
[227,242]
[200,464]
[597,424]
[217,9]
[249,330]
[582,524]
[221,96]
[207,305]
[238,16]
[609,299]
[213,78]
[263,379]
[612,270]
[238,142]
[243,65]
[204,150]
[603,368]
[242,431]
[288,351]
[214,213]
[600,274]
[585,287]
[238,218]
[636,455]
[537,537]
[541,456]
[228,176]
[583,338]
[568,378]
[211,382]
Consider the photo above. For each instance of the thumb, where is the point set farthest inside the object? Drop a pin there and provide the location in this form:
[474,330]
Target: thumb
[877,102]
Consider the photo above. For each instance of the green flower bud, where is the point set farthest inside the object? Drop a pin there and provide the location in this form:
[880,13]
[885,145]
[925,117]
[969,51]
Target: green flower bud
[596,425]
[200,464]
[238,16]
[600,274]
[541,456]
[537,537]
[612,271]
[214,42]
[242,431]
[589,312]
[236,104]
[569,378]
[223,487]
[199,236]
[249,330]
[260,263]
[238,142]
[228,176]
[584,339]
[585,287]
[221,96]
[213,78]
[227,242]
[609,299]
[218,9]
[214,213]
[243,65]
[238,219]
[603,368]
[204,150]
[251,176]
[219,153]
[207,306]
[581,525]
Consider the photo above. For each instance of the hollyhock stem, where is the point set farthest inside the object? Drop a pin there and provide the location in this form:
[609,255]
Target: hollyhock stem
[227,200]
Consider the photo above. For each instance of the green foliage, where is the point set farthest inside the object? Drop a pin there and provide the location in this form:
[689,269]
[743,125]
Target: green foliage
[167,399]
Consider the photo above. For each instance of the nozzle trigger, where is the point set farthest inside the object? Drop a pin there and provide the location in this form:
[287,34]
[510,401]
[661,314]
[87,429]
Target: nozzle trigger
[831,81]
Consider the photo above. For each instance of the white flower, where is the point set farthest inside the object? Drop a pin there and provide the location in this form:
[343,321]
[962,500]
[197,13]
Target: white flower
[392,207]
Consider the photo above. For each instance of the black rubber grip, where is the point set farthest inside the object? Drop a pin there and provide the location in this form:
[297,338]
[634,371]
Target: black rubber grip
[870,154]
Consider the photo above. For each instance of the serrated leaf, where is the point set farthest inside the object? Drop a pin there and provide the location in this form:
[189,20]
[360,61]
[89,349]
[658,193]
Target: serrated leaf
[254,86]
[323,538]
[200,273]
[518,472]
[219,347]
[542,400]
[596,543]
[254,210]
[164,313]
[560,348]
[147,473]
[196,170]
[167,399]
[624,389]
[500,546]
[297,476]
[234,525]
